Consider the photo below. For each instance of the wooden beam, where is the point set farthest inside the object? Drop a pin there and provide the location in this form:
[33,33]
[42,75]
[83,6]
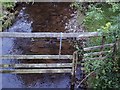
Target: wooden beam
[25,71]
[44,65]
[98,58]
[48,34]
[97,53]
[0,48]
[36,57]
[98,47]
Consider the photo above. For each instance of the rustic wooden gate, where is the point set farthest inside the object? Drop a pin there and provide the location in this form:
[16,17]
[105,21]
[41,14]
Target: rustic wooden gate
[96,52]
[45,67]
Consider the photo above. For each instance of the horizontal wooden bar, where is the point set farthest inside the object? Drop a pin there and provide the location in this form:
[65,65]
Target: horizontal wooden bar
[98,47]
[25,71]
[44,65]
[48,34]
[97,53]
[36,57]
[98,58]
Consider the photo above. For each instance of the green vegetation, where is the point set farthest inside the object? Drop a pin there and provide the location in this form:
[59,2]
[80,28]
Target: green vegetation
[104,18]
[8,5]
[8,14]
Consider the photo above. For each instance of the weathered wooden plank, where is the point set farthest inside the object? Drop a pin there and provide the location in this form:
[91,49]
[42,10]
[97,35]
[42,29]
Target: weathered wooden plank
[44,65]
[25,71]
[98,47]
[98,58]
[97,53]
[36,57]
[48,34]
[0,48]
[73,72]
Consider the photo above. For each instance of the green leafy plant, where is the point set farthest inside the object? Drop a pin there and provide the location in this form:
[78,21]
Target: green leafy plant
[105,19]
[7,16]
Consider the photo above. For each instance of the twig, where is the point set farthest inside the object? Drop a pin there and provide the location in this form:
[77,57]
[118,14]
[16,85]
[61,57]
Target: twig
[85,78]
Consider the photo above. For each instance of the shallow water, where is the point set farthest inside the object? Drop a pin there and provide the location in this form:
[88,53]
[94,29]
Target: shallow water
[40,17]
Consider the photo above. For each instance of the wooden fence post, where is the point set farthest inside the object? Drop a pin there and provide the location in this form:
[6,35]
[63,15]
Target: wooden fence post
[115,47]
[0,45]
[102,43]
[74,67]
[73,73]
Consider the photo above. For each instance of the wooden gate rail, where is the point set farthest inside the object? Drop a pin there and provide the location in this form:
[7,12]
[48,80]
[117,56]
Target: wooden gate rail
[25,71]
[97,53]
[42,35]
[48,34]
[36,57]
[45,67]
[100,52]
[98,47]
